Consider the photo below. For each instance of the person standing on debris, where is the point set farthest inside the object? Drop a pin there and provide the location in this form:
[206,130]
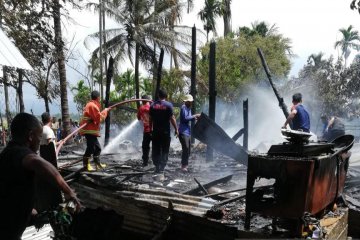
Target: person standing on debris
[93,117]
[185,130]
[298,116]
[143,115]
[22,165]
[334,127]
[161,115]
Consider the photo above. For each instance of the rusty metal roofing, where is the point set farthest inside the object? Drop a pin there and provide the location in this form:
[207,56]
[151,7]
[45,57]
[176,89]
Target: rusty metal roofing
[10,55]
[31,233]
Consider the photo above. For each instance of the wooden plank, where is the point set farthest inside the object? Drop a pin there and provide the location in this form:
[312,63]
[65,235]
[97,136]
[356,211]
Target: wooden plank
[208,185]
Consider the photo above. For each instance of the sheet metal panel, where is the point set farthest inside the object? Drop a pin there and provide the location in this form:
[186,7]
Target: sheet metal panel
[10,55]
[31,233]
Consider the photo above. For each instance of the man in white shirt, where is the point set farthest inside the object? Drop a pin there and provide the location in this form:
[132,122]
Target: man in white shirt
[47,197]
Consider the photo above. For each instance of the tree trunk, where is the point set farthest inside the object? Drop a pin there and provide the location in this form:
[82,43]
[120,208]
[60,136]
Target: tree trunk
[62,70]
[137,84]
[19,91]
[227,17]
[47,108]
[6,93]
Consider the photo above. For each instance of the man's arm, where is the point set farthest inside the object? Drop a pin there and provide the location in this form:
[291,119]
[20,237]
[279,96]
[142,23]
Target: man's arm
[173,122]
[48,172]
[290,117]
[330,123]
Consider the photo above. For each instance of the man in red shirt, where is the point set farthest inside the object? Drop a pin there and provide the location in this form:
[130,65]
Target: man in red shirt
[143,115]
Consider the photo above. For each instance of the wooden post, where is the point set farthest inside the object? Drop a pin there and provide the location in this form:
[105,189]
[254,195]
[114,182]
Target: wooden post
[246,124]
[19,91]
[193,77]
[212,92]
[109,75]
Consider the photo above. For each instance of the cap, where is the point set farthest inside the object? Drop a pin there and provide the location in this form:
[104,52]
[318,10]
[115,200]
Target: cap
[188,98]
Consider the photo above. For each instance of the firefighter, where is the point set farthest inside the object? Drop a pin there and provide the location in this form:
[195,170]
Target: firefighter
[93,117]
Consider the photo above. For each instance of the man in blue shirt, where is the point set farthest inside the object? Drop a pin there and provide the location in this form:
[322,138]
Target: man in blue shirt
[298,116]
[161,115]
[185,131]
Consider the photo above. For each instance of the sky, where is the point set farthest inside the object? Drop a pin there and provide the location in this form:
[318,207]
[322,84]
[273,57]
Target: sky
[312,26]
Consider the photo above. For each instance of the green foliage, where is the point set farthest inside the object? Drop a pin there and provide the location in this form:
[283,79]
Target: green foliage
[81,95]
[125,86]
[124,90]
[238,63]
[173,82]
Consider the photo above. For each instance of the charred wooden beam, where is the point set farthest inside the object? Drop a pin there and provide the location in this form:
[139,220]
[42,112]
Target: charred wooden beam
[212,92]
[209,184]
[234,190]
[109,75]
[267,71]
[201,186]
[193,91]
[207,131]
[246,124]
[230,200]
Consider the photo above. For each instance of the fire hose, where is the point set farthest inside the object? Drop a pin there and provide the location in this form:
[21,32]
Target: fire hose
[84,125]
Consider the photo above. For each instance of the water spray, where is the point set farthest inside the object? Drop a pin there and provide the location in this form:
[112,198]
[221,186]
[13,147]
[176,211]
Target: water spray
[83,125]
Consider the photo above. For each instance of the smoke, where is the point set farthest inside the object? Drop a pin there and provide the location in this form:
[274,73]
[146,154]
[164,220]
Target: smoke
[265,118]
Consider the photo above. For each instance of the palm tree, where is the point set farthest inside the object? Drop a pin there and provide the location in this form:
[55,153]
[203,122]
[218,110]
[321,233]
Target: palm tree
[141,27]
[316,59]
[59,45]
[226,4]
[349,41]
[211,10]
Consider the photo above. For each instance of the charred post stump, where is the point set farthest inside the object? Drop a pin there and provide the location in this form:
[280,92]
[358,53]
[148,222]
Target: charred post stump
[193,76]
[159,73]
[109,75]
[246,124]
[212,92]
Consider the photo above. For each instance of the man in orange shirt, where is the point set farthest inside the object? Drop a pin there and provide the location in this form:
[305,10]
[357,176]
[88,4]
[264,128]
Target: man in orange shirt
[143,115]
[93,117]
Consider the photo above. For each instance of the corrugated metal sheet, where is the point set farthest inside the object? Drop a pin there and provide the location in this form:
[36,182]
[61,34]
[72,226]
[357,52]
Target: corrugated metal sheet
[32,234]
[145,211]
[10,54]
